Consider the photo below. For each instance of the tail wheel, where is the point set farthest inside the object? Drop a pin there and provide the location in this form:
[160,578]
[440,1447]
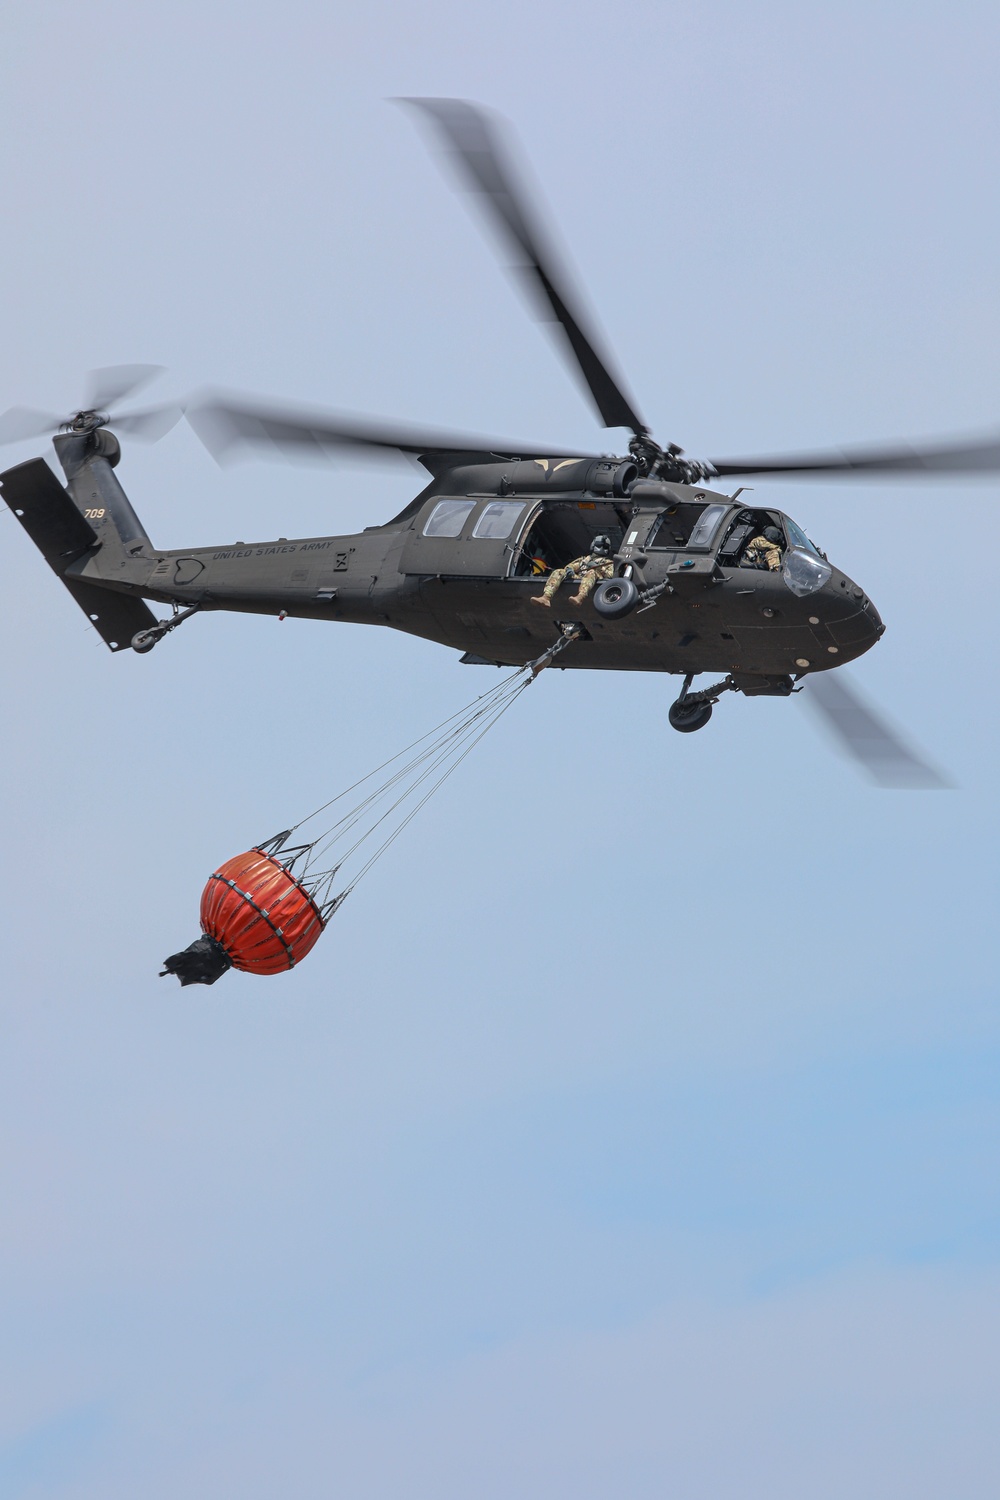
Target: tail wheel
[687,717]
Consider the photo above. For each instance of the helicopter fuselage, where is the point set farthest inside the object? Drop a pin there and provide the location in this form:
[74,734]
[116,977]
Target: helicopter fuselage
[461,564]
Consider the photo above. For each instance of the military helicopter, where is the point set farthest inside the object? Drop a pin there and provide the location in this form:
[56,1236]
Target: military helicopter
[461,563]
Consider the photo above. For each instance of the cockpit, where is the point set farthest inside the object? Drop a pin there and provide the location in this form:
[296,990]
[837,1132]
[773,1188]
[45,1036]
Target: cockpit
[749,537]
[692,527]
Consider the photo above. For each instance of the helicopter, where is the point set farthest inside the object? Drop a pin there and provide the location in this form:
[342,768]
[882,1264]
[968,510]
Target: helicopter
[461,564]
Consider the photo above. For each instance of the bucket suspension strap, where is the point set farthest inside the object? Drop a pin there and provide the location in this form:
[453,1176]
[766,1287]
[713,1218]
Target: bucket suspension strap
[375,821]
[389,803]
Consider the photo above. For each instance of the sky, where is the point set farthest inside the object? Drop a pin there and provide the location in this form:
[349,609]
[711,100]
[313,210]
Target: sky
[635,1127]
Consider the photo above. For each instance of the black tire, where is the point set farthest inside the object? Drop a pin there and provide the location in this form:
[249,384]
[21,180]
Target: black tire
[143,641]
[615,597]
[687,717]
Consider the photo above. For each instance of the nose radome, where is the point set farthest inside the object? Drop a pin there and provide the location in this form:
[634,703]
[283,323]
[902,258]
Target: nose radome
[876,619]
[856,624]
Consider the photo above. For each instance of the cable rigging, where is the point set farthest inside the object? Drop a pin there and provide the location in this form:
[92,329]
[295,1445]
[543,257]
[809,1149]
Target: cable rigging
[264,910]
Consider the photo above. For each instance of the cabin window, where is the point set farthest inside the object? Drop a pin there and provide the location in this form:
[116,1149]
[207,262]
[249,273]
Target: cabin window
[707,525]
[498,520]
[448,517]
[687,525]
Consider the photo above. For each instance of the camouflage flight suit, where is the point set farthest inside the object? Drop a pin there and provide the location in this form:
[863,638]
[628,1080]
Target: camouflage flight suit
[586,570]
[759,549]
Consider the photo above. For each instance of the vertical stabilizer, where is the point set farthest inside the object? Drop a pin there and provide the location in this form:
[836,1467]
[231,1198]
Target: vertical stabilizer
[64,536]
[88,461]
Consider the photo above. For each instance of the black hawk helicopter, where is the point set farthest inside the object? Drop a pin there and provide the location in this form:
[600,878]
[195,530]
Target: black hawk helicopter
[461,564]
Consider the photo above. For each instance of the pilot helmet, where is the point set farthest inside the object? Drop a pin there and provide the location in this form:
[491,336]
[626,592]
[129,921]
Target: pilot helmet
[772,534]
[601,545]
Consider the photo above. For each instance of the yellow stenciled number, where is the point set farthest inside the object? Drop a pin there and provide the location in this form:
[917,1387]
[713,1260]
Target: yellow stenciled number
[94,515]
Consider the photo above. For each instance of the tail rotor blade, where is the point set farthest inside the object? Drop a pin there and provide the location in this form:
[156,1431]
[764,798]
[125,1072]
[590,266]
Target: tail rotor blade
[105,388]
[484,165]
[21,423]
[864,736]
[149,425]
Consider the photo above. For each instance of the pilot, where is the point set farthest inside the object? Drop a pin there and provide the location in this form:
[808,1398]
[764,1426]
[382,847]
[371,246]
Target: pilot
[764,551]
[584,571]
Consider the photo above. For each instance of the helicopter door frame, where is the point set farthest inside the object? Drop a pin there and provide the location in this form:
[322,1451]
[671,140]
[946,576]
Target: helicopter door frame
[466,536]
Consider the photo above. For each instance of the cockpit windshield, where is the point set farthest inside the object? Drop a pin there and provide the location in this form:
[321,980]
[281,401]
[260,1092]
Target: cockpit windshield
[798,538]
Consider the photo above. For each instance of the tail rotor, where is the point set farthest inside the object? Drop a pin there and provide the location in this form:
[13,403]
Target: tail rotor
[105,389]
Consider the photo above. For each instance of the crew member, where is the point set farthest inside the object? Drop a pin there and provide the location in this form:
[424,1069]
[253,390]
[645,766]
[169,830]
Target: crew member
[764,551]
[584,571]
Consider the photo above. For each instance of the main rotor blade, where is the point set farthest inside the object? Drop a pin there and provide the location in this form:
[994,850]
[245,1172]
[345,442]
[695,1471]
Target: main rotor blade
[958,458]
[21,423]
[865,737]
[227,427]
[481,160]
[105,388]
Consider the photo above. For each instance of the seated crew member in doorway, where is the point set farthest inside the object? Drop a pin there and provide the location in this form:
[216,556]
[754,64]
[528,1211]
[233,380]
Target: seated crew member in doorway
[764,551]
[584,571]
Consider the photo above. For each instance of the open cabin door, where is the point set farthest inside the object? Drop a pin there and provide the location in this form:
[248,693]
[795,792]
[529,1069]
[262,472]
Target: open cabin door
[456,536]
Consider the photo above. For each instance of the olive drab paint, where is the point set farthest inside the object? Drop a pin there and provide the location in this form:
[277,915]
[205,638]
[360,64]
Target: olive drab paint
[473,593]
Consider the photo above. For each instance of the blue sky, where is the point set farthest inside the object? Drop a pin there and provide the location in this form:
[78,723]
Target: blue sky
[634,1128]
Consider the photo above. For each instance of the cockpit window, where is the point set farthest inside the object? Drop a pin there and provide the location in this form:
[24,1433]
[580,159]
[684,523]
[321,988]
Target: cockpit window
[498,520]
[797,537]
[448,517]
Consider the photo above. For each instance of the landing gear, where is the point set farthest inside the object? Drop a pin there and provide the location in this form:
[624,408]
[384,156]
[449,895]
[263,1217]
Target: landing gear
[145,640]
[687,717]
[692,711]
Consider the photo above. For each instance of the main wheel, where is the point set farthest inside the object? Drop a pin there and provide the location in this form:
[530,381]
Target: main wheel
[687,717]
[615,597]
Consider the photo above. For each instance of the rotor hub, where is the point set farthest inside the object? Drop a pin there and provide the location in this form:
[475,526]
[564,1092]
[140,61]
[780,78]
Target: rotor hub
[87,421]
[667,463]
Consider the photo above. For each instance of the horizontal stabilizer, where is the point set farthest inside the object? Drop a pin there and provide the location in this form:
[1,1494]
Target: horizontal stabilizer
[62,535]
[47,513]
[115,617]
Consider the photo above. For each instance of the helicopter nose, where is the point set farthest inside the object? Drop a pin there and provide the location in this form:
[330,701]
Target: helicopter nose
[853,622]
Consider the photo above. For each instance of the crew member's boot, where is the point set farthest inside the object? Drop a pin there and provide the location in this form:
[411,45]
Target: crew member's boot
[541,599]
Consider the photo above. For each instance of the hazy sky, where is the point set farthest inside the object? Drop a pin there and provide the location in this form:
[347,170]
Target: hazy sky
[634,1128]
